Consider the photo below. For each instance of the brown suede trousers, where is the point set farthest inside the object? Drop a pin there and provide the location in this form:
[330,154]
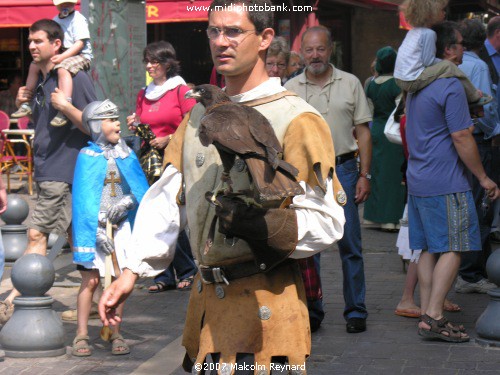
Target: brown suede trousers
[232,325]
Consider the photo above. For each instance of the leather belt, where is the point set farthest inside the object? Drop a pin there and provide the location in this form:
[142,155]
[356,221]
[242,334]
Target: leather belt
[223,274]
[345,157]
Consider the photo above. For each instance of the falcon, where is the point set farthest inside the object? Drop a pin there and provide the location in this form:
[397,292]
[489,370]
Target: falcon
[239,130]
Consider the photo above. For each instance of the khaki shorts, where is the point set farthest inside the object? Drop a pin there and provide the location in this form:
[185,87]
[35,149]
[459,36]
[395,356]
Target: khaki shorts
[52,212]
[74,64]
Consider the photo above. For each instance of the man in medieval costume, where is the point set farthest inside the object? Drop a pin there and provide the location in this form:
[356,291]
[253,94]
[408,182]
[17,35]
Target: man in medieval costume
[247,268]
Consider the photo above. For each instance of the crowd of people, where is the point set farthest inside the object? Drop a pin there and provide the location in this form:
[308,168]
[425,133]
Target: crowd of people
[155,215]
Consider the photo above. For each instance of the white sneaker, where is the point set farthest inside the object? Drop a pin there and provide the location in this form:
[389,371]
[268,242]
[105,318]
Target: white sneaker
[482,286]
[24,110]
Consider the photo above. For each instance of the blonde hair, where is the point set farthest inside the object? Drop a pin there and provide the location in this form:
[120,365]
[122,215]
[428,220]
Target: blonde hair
[423,13]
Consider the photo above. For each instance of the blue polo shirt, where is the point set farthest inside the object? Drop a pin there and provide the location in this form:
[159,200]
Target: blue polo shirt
[432,115]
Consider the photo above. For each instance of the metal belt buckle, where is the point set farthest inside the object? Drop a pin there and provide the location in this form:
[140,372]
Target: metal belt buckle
[219,276]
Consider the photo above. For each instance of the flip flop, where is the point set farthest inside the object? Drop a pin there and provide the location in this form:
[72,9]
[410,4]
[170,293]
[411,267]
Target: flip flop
[408,313]
[188,283]
[451,307]
[160,287]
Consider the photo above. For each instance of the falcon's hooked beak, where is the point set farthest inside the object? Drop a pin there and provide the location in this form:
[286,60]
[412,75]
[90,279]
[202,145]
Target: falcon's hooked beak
[192,94]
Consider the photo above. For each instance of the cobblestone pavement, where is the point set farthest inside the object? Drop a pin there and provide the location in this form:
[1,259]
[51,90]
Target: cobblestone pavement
[153,328]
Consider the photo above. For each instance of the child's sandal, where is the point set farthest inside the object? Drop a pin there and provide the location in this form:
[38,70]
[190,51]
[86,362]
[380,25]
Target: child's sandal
[81,347]
[118,345]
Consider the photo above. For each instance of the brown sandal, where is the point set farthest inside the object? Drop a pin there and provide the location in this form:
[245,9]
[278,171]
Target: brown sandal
[458,327]
[442,329]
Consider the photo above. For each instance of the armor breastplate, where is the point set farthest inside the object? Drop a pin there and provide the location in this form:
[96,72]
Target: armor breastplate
[202,169]
[115,186]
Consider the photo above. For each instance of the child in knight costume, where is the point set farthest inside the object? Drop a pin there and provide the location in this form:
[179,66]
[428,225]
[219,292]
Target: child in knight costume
[108,186]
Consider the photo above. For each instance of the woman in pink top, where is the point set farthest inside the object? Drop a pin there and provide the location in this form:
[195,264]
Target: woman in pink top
[161,104]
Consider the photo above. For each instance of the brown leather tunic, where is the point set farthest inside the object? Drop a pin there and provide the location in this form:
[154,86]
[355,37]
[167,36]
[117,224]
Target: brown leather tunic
[264,314]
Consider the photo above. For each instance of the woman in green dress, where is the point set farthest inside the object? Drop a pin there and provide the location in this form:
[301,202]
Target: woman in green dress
[387,199]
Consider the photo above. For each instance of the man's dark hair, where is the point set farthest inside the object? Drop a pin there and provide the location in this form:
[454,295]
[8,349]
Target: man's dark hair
[474,34]
[52,28]
[261,19]
[164,53]
[493,26]
[446,36]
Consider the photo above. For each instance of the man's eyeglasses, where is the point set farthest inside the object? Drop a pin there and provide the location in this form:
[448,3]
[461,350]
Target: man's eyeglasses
[230,33]
[271,65]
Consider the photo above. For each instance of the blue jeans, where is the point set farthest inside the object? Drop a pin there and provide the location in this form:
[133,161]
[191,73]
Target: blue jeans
[183,263]
[350,246]
[350,251]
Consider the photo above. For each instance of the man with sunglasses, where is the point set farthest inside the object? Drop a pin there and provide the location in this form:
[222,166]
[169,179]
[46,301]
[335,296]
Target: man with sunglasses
[247,304]
[442,217]
[55,148]
[340,99]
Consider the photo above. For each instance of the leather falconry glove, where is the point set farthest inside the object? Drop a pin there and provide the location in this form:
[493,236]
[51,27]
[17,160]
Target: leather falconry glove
[118,212]
[103,243]
[270,233]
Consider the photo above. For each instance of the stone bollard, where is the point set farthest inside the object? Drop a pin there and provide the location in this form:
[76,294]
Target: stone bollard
[34,330]
[488,324]
[14,233]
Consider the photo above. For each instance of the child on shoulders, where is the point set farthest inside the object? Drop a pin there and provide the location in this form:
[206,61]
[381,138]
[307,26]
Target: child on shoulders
[77,56]
[417,65]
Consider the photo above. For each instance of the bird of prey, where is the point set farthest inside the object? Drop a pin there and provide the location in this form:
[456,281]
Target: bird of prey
[236,129]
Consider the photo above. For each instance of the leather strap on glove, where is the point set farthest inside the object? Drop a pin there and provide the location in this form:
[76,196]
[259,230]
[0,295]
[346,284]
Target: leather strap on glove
[270,233]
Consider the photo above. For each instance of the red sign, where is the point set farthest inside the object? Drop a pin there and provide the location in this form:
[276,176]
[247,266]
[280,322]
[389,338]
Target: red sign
[161,11]
[22,13]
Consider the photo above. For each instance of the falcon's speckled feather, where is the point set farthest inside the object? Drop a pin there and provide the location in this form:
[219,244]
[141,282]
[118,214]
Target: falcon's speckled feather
[236,129]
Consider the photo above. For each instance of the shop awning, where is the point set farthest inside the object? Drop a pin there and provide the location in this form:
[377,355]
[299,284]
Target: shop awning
[22,13]
[379,4]
[163,11]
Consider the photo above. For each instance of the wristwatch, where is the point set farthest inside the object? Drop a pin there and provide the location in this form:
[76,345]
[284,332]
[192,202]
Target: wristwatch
[365,175]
